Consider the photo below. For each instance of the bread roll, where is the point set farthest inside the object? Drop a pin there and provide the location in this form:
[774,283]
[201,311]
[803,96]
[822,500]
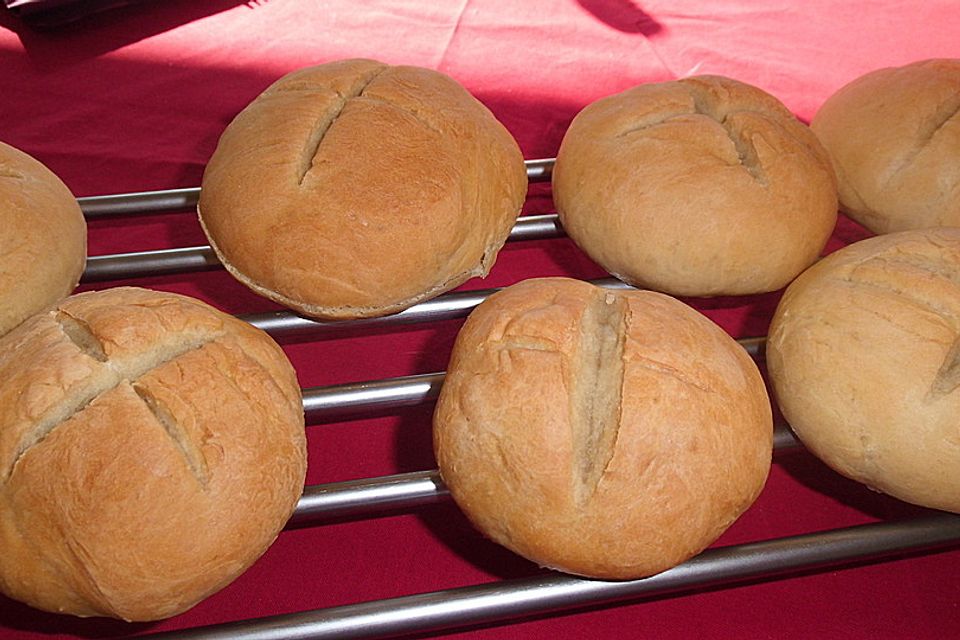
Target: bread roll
[610,434]
[43,238]
[151,448]
[356,189]
[863,356]
[700,187]
[894,137]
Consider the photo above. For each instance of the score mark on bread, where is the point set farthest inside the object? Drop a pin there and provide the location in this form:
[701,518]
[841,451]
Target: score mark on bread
[166,419]
[10,173]
[79,333]
[918,275]
[704,103]
[948,376]
[941,117]
[730,118]
[316,137]
[596,389]
[106,376]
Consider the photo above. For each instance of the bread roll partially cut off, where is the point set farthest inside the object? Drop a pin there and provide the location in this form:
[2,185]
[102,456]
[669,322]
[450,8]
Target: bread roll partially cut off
[894,138]
[43,238]
[864,357]
[151,448]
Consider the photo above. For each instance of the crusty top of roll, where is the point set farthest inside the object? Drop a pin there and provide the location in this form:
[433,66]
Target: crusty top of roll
[43,238]
[357,189]
[894,137]
[703,186]
[864,359]
[151,448]
[605,433]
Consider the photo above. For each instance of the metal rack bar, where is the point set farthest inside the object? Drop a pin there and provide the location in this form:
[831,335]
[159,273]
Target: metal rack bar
[141,264]
[448,306]
[363,397]
[354,398]
[540,170]
[507,600]
[121,204]
[370,496]
[170,200]
[402,490]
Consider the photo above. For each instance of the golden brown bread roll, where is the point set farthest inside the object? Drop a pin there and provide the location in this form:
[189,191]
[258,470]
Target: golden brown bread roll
[894,137]
[151,448]
[356,189]
[43,238]
[610,434]
[701,187]
[864,359]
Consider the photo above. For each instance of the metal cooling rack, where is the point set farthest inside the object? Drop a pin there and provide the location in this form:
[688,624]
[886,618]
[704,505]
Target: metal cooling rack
[499,601]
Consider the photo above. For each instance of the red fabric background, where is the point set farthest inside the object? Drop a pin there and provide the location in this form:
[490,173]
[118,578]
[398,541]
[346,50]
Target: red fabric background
[135,99]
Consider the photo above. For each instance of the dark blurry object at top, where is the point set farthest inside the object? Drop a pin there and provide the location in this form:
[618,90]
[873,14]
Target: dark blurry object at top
[622,15]
[46,14]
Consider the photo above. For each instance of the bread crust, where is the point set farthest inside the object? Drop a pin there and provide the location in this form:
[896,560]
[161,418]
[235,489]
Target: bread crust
[863,358]
[43,238]
[894,138]
[151,448]
[676,449]
[356,189]
[700,187]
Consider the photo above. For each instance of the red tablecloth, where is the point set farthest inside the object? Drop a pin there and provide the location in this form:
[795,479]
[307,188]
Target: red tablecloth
[135,99]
